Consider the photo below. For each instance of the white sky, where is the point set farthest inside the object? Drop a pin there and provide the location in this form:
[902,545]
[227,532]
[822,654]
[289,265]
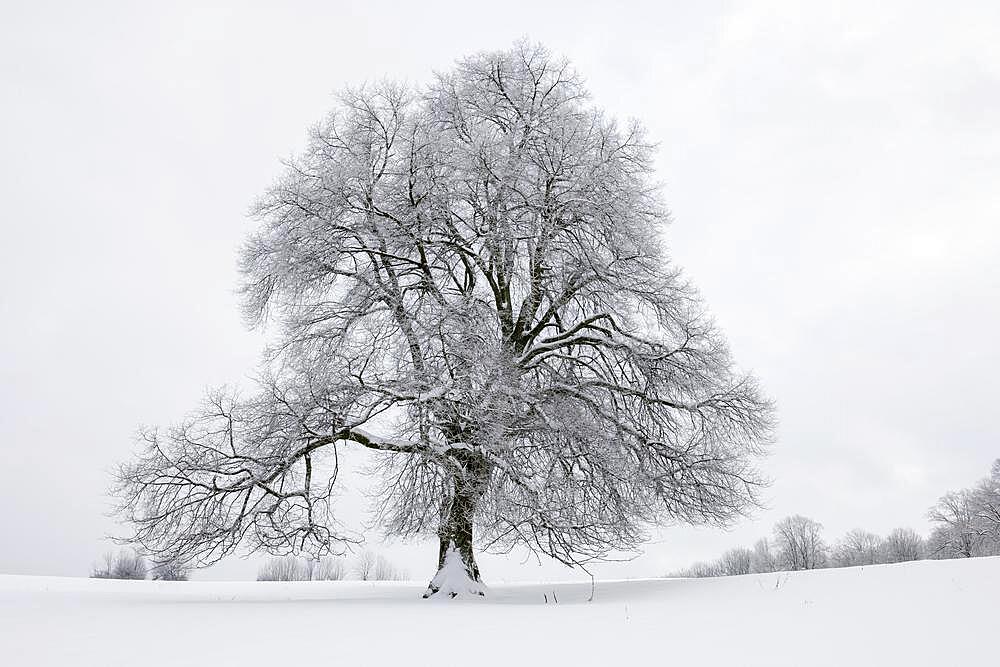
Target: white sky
[834,175]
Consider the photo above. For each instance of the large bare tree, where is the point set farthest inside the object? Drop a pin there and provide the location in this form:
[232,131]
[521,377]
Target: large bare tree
[470,278]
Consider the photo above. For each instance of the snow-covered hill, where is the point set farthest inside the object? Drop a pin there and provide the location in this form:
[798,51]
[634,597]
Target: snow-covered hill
[925,613]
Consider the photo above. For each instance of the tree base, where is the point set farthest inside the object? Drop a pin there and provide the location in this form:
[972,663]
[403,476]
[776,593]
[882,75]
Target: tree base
[454,579]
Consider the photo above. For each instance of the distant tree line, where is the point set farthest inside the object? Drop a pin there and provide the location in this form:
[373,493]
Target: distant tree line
[130,565]
[966,523]
[368,566]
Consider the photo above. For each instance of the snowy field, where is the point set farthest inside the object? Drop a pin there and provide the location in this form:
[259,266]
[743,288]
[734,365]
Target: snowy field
[924,613]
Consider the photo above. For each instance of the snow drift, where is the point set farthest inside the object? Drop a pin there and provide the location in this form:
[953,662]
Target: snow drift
[920,613]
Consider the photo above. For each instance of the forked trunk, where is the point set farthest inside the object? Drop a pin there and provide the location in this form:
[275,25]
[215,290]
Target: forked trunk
[458,573]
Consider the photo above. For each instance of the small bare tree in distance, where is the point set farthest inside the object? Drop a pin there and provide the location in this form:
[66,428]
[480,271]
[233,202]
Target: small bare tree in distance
[290,568]
[364,565]
[281,569]
[901,545]
[799,543]
[386,571]
[858,547]
[763,559]
[472,283]
[700,569]
[122,565]
[103,570]
[371,566]
[329,569]
[736,561]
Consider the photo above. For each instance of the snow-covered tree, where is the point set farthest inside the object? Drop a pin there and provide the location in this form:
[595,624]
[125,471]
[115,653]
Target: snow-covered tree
[968,521]
[371,566]
[956,533]
[763,559]
[286,568]
[858,547]
[328,569]
[471,281]
[901,545]
[702,569]
[986,501]
[799,543]
[736,561]
[122,565]
[289,568]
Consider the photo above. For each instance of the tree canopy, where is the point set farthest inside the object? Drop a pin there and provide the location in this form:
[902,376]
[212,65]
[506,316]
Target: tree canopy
[471,278]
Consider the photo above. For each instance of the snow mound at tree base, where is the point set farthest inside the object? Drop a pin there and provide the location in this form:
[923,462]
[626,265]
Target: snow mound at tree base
[453,579]
[924,613]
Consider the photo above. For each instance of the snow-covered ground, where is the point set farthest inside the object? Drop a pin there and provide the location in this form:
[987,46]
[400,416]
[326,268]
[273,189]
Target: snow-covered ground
[925,613]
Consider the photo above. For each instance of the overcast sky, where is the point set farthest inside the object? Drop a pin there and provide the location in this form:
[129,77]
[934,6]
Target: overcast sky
[834,175]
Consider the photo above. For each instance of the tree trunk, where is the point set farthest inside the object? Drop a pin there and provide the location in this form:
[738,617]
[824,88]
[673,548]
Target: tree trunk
[458,573]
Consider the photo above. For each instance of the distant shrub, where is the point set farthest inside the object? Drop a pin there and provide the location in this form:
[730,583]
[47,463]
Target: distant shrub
[123,565]
[903,544]
[763,558]
[328,569]
[290,568]
[282,569]
[374,567]
[701,569]
[736,562]
[858,547]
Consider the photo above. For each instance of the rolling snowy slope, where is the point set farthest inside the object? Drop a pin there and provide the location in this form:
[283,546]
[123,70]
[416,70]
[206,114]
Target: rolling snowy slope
[923,613]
